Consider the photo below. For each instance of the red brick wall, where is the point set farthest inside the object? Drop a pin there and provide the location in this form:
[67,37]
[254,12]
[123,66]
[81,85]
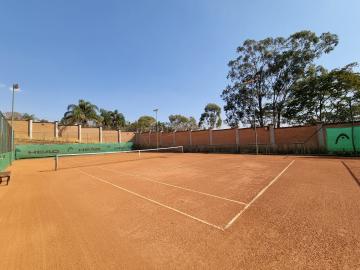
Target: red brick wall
[167,139]
[21,128]
[200,137]
[297,135]
[110,136]
[182,137]
[224,136]
[127,137]
[43,131]
[90,135]
[68,132]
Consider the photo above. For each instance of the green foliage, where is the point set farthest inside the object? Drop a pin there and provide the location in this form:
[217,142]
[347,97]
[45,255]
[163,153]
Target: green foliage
[211,117]
[326,96]
[180,122]
[20,116]
[84,113]
[144,123]
[265,72]
[112,119]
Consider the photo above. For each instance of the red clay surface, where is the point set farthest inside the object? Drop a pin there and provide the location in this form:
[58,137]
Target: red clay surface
[182,211]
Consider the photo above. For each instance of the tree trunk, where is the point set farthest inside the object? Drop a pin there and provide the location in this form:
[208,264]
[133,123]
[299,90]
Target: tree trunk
[278,120]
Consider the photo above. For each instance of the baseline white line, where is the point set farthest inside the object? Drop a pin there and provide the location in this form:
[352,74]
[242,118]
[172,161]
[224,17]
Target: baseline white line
[174,186]
[153,201]
[257,196]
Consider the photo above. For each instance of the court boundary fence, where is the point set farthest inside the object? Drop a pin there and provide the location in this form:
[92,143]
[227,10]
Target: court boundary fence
[6,143]
[302,140]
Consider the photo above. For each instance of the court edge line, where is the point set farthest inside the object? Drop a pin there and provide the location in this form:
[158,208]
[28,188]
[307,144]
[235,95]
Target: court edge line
[153,201]
[351,172]
[257,196]
[174,186]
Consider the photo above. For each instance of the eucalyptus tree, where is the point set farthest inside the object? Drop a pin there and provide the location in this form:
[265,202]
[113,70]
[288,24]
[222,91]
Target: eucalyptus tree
[211,117]
[178,122]
[264,73]
[326,96]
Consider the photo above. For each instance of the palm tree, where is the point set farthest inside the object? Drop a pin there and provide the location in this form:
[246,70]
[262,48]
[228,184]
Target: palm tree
[112,119]
[81,114]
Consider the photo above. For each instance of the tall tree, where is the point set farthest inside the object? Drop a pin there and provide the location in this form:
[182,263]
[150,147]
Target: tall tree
[112,119]
[290,63]
[83,113]
[263,75]
[211,117]
[326,96]
[145,123]
[180,122]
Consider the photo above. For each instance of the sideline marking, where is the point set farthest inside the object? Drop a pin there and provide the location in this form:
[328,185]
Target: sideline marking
[153,201]
[174,186]
[351,172]
[257,196]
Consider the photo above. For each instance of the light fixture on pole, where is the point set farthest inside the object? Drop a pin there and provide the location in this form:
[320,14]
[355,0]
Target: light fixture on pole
[15,87]
[157,133]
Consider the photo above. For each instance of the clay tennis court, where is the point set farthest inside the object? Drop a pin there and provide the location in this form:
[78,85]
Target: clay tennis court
[181,211]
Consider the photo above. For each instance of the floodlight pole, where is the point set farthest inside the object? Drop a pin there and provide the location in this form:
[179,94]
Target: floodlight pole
[256,136]
[157,133]
[15,86]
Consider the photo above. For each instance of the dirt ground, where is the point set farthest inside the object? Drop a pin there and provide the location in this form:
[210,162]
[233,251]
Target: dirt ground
[182,211]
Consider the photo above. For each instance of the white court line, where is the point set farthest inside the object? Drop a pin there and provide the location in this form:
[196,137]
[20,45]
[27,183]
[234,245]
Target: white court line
[174,186]
[150,200]
[257,196]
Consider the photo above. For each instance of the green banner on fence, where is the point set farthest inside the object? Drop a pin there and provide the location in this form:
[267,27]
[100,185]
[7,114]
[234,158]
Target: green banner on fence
[343,139]
[50,150]
[6,142]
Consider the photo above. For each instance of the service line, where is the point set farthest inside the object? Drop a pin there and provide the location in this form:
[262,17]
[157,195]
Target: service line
[257,196]
[152,201]
[145,178]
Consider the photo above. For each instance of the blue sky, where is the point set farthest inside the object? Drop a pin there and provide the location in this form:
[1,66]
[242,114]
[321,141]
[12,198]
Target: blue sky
[135,56]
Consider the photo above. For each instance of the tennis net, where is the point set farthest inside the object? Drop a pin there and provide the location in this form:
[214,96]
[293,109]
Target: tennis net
[67,161]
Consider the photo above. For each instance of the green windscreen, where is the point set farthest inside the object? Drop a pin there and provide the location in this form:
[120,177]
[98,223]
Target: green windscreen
[6,141]
[343,139]
[51,150]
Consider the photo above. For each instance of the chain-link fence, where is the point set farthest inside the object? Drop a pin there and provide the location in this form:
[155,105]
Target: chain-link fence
[6,143]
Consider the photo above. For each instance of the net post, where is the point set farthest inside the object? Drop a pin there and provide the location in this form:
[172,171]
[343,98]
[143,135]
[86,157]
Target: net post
[56,162]
[182,149]
[139,153]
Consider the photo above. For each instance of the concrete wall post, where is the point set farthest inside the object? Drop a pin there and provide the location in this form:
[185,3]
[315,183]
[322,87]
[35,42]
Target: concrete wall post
[30,129]
[79,133]
[100,135]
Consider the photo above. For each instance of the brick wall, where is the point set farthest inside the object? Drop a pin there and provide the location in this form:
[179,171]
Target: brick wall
[43,131]
[21,129]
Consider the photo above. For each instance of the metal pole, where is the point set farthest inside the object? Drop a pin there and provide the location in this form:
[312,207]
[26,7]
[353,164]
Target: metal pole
[12,105]
[15,86]
[157,133]
[256,136]
[56,162]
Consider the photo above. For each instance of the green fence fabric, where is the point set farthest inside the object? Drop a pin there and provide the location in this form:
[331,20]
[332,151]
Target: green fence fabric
[343,139]
[6,141]
[50,150]
[5,160]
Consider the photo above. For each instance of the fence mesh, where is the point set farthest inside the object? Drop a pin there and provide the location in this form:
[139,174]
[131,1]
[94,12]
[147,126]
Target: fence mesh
[6,141]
